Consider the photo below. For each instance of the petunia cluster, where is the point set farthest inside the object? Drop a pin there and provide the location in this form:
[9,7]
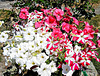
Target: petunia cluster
[49,40]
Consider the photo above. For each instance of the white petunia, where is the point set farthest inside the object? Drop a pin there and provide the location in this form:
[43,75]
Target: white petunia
[33,61]
[65,69]
[52,67]
[13,53]
[31,46]
[44,70]
[21,48]
[28,34]
[29,24]
[42,57]
[20,59]
[77,49]
[70,73]
[3,37]
[18,36]
[6,50]
[41,41]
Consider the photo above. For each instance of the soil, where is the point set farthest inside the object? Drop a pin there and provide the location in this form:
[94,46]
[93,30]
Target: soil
[97,8]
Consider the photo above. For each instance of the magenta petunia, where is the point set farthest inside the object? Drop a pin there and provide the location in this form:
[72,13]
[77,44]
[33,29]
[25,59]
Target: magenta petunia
[24,13]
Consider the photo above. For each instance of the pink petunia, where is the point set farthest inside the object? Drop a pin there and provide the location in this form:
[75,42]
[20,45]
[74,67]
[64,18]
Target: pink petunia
[68,11]
[66,19]
[98,43]
[75,21]
[59,14]
[66,27]
[23,13]
[56,33]
[51,21]
[38,24]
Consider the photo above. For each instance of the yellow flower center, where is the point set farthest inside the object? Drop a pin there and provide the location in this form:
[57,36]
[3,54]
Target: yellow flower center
[33,63]
[42,56]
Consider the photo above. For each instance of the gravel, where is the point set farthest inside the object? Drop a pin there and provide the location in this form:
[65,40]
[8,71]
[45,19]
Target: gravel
[6,4]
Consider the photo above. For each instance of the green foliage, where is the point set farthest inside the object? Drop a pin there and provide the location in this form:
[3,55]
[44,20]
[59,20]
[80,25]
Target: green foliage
[8,16]
[81,8]
[94,21]
[95,1]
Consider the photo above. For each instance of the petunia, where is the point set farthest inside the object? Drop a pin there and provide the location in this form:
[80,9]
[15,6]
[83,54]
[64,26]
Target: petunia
[65,69]
[24,13]
[44,70]
[66,27]
[59,14]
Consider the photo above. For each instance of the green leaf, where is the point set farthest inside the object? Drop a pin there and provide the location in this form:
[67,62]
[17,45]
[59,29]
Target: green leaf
[84,73]
[87,3]
[42,1]
[93,10]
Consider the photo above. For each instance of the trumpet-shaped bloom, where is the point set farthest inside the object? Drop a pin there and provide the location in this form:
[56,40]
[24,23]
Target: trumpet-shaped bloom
[59,14]
[24,13]
[3,37]
[44,70]
[51,21]
[65,69]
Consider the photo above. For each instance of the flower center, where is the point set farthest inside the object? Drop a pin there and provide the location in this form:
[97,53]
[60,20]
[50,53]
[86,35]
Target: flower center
[41,41]
[32,46]
[28,33]
[19,48]
[42,56]
[3,36]
[33,63]
[44,69]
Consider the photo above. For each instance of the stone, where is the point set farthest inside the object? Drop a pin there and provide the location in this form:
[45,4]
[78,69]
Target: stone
[91,71]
